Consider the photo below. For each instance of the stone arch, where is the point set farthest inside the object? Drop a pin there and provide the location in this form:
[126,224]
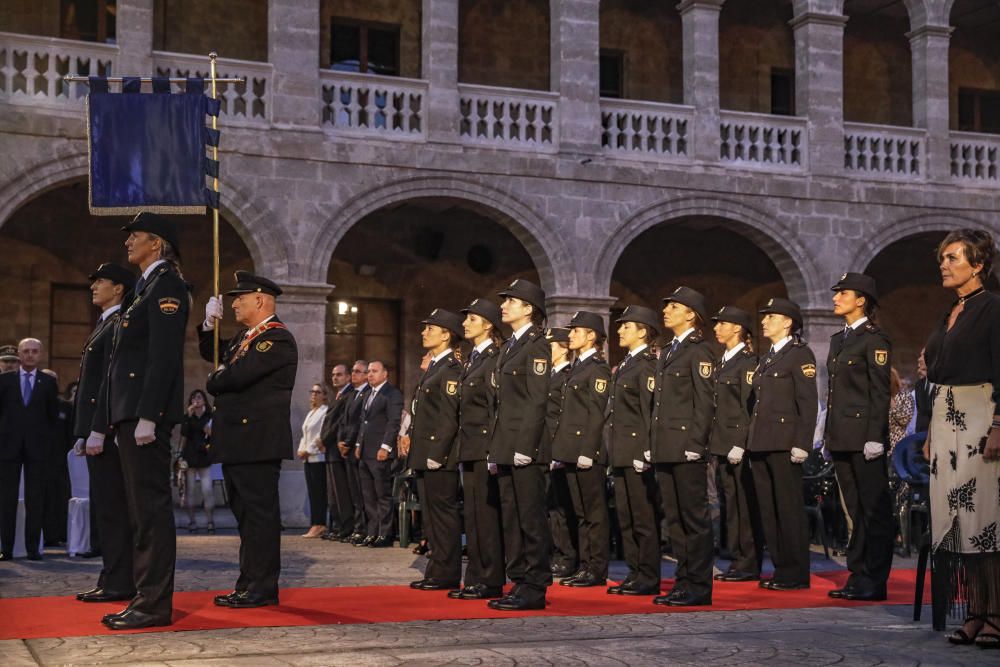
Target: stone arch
[910,226]
[547,251]
[248,218]
[789,256]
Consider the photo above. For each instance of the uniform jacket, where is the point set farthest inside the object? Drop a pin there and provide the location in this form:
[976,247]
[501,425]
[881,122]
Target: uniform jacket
[380,422]
[553,409]
[784,415]
[857,404]
[630,408]
[253,395]
[733,402]
[434,429]
[146,371]
[27,431]
[330,433]
[683,405]
[584,402]
[521,379]
[93,369]
[475,412]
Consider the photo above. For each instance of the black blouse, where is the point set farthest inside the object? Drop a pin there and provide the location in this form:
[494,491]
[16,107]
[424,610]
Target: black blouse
[970,352]
[195,450]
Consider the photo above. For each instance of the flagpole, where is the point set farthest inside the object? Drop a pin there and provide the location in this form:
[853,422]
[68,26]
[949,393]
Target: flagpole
[215,217]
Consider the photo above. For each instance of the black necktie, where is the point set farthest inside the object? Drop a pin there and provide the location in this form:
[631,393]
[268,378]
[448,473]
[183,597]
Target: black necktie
[473,357]
[139,284]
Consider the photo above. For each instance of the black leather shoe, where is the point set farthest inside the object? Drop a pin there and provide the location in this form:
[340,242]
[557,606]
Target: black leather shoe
[455,594]
[481,592]
[34,555]
[5,556]
[225,600]
[673,593]
[95,589]
[367,541]
[633,588]
[781,586]
[105,595]
[840,593]
[357,539]
[133,619]
[737,575]
[380,542]
[561,571]
[417,584]
[90,554]
[690,600]
[615,590]
[249,600]
[576,575]
[434,585]
[588,581]
[516,603]
[868,595]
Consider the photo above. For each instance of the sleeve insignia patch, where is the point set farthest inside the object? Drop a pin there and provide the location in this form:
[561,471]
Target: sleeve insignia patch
[169,305]
[750,377]
[263,346]
[651,383]
[600,386]
[705,369]
[540,366]
[809,370]
[881,357]
[451,387]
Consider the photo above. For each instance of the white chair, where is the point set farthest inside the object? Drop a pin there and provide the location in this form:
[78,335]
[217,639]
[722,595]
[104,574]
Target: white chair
[78,525]
[19,550]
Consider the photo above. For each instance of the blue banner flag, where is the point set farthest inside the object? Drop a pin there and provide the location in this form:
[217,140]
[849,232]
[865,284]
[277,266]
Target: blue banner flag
[147,151]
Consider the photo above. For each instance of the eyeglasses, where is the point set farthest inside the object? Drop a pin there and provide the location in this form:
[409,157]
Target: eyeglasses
[316,391]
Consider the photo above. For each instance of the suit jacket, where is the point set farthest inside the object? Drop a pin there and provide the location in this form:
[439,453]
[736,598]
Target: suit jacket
[380,422]
[27,431]
[630,408]
[521,379]
[146,372]
[434,429]
[93,369]
[733,402]
[683,404]
[330,431]
[350,425]
[553,409]
[475,406]
[253,395]
[784,415]
[857,404]
[584,402]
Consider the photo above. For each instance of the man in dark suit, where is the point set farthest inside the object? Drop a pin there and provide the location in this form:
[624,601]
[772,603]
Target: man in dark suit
[347,435]
[341,522]
[110,286]
[375,449]
[251,428]
[29,410]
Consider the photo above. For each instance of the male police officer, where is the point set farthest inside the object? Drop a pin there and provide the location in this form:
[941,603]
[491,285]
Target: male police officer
[251,428]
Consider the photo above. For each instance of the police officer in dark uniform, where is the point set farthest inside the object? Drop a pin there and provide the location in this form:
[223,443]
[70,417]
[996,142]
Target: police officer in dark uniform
[630,415]
[521,379]
[142,397]
[484,575]
[682,421]
[728,442]
[563,523]
[434,451]
[781,435]
[111,285]
[579,443]
[857,428]
[251,428]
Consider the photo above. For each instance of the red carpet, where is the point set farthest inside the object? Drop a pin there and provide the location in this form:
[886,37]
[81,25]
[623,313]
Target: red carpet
[29,618]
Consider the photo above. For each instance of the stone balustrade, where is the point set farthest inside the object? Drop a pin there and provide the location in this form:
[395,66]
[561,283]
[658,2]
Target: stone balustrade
[508,118]
[762,141]
[646,129]
[32,69]
[377,106]
[247,103]
[975,157]
[886,151]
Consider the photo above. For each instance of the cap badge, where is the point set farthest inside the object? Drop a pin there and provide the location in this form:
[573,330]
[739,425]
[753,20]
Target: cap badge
[843,277]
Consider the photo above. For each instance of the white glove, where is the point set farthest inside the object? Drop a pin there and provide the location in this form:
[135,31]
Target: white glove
[492,467]
[873,450]
[640,466]
[213,313]
[648,456]
[799,455]
[145,432]
[432,464]
[556,464]
[95,443]
[584,462]
[691,456]
[80,447]
[521,459]
[735,455]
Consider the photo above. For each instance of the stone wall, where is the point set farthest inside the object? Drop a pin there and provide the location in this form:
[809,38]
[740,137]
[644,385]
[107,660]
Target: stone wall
[231,29]
[649,36]
[973,62]
[504,43]
[877,71]
[754,37]
[31,17]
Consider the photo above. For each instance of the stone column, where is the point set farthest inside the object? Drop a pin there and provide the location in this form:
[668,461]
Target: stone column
[575,73]
[560,309]
[302,307]
[929,51]
[134,36]
[293,49]
[439,66]
[819,84]
[700,27]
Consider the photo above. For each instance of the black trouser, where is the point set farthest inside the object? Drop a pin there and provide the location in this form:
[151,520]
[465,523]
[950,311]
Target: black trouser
[376,487]
[635,502]
[338,494]
[315,474]
[743,530]
[34,503]
[95,529]
[352,470]
[586,488]
[253,498]
[57,495]
[684,494]
[146,471]
[482,526]
[778,485]
[527,542]
[442,524]
[110,504]
[865,485]
[563,523]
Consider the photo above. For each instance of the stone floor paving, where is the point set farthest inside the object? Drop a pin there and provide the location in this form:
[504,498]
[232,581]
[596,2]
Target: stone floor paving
[880,635]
